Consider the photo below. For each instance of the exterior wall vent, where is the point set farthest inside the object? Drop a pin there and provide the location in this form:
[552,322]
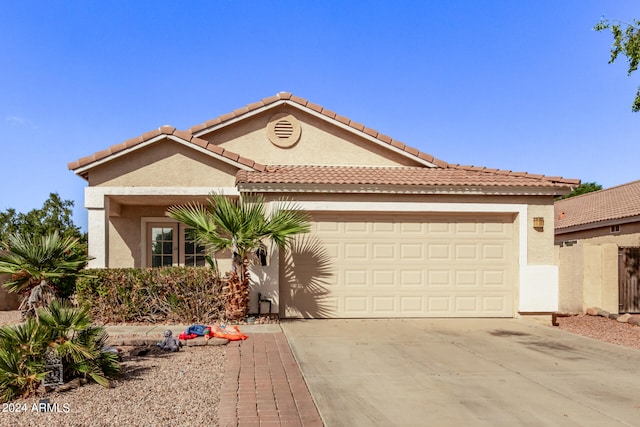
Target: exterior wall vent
[284,130]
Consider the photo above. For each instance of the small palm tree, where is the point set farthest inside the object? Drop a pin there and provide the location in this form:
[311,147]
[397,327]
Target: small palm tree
[241,226]
[64,332]
[35,262]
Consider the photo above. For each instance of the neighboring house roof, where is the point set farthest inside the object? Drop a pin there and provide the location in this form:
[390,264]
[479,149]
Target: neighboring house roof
[405,176]
[191,136]
[610,204]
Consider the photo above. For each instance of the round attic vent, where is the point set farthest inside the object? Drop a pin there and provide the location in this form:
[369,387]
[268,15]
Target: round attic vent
[283,130]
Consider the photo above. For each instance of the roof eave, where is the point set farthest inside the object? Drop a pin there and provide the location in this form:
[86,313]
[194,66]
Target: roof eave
[597,224]
[83,171]
[397,189]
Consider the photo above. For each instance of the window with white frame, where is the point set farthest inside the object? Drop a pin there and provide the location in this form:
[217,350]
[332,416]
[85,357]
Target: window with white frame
[169,244]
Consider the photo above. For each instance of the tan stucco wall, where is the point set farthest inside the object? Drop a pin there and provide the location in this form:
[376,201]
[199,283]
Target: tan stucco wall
[629,235]
[320,143]
[164,164]
[588,277]
[540,243]
[125,235]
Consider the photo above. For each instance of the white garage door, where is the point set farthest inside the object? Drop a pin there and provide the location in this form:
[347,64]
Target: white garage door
[400,265]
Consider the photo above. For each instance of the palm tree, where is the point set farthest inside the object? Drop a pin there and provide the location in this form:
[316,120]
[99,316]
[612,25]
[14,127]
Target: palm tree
[36,262]
[64,335]
[241,226]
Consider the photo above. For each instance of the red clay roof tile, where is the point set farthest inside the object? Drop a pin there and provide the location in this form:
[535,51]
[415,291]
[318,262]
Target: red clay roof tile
[314,107]
[371,132]
[183,134]
[342,119]
[411,150]
[255,105]
[213,122]
[271,99]
[412,176]
[356,125]
[384,138]
[612,203]
[227,116]
[299,100]
[164,130]
[331,115]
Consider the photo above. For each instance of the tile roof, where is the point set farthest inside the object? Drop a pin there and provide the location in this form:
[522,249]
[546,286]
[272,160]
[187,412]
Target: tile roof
[169,131]
[192,135]
[292,99]
[410,176]
[612,203]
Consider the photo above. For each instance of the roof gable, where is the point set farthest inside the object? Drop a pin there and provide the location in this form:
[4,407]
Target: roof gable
[82,166]
[301,104]
[194,138]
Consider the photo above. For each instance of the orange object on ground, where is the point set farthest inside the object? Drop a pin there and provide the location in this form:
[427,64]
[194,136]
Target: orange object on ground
[232,333]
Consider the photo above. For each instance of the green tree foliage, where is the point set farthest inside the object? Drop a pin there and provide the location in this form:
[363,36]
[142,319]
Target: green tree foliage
[55,214]
[65,331]
[584,188]
[626,41]
[241,226]
[40,261]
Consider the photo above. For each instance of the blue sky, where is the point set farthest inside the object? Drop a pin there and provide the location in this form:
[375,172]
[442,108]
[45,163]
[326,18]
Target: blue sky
[518,85]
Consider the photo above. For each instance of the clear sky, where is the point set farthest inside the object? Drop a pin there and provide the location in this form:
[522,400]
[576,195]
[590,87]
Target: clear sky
[518,85]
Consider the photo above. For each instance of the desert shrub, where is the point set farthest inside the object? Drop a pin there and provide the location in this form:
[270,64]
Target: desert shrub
[63,330]
[155,295]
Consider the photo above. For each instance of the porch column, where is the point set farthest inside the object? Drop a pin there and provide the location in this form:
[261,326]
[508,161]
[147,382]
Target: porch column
[97,227]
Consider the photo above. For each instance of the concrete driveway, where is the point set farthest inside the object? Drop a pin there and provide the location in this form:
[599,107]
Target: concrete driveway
[457,372]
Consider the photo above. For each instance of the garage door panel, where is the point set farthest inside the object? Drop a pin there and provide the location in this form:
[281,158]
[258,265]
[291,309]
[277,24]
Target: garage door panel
[417,265]
[383,278]
[385,306]
[466,251]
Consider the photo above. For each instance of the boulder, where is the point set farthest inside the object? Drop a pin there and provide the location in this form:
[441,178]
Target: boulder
[593,311]
[634,320]
[624,318]
[603,313]
[613,316]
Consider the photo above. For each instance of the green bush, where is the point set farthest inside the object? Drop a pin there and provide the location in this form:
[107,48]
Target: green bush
[68,333]
[153,295]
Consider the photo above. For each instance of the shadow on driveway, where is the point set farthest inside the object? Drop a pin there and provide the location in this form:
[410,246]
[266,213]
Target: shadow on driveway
[453,372]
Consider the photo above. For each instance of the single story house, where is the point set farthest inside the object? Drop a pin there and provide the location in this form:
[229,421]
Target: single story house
[597,238]
[395,232]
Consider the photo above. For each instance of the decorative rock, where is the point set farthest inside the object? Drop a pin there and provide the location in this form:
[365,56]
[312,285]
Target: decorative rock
[613,316]
[593,311]
[139,342]
[624,318]
[197,342]
[603,313]
[634,320]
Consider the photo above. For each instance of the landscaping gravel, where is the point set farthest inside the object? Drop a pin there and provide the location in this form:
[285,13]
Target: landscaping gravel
[168,389]
[602,329]
[156,389]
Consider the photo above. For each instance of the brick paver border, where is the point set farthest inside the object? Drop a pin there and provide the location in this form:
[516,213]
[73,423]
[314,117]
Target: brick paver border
[263,385]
